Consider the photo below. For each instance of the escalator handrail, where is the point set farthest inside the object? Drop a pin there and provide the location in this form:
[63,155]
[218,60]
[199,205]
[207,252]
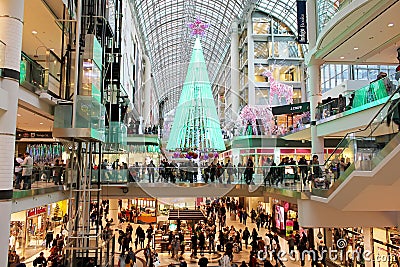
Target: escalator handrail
[368,125]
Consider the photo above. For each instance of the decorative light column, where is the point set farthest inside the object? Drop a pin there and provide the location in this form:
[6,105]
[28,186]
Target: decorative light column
[11,23]
[235,73]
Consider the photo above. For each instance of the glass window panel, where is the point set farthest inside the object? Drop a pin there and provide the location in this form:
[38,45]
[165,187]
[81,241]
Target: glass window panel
[262,94]
[261,50]
[261,26]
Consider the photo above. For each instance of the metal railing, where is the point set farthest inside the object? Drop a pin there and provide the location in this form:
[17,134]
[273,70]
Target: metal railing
[366,151]
[371,95]
[41,177]
[37,78]
[295,177]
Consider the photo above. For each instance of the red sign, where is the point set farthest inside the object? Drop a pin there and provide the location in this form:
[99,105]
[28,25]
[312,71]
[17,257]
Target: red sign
[287,151]
[265,151]
[35,211]
[303,151]
[247,151]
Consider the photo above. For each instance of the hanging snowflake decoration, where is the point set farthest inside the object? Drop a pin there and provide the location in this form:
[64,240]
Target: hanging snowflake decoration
[198,27]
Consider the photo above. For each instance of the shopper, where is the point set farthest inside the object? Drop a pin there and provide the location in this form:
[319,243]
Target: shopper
[40,261]
[90,263]
[246,236]
[203,262]
[182,262]
[27,167]
[150,170]
[18,171]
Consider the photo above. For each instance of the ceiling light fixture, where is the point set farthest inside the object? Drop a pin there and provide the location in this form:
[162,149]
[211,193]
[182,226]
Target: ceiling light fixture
[19,115]
[355,48]
[341,57]
[34,32]
[390,24]
[41,123]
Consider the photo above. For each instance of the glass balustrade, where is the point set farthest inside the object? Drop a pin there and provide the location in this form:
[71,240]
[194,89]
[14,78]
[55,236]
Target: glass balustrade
[374,94]
[37,78]
[367,147]
[293,177]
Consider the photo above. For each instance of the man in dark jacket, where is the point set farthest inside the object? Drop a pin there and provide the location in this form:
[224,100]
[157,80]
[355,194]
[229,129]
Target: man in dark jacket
[40,261]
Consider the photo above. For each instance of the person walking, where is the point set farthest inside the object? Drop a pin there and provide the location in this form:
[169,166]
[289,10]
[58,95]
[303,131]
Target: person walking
[246,236]
[303,166]
[150,170]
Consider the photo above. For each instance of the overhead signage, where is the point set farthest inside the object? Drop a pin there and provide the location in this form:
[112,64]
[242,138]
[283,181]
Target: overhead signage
[291,109]
[34,135]
[301,22]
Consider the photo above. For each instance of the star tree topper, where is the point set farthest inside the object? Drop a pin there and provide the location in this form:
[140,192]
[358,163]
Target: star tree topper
[198,27]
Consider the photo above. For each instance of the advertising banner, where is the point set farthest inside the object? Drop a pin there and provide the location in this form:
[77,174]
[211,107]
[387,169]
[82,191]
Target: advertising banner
[301,22]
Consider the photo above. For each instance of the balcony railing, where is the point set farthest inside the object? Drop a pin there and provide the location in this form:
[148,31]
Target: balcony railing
[292,177]
[365,150]
[37,78]
[374,94]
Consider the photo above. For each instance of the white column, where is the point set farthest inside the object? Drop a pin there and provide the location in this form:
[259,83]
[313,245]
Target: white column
[11,23]
[368,244]
[314,81]
[250,48]
[147,91]
[114,210]
[235,73]
[314,89]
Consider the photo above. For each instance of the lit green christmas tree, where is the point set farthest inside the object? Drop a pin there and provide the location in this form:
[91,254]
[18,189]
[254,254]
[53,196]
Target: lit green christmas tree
[196,124]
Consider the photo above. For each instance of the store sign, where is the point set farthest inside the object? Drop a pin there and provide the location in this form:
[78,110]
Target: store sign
[289,227]
[34,135]
[291,109]
[301,22]
[280,217]
[36,211]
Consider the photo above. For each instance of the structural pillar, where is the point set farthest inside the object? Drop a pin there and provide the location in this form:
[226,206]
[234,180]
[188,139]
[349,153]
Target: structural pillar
[235,73]
[147,91]
[11,23]
[314,89]
[314,80]
[251,99]
[368,245]
[114,210]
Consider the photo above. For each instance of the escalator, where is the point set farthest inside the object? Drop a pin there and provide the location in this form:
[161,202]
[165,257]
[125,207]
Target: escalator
[374,172]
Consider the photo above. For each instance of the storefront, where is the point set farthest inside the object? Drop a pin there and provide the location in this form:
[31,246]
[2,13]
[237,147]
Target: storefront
[28,228]
[146,209]
[292,117]
[386,246]
[284,215]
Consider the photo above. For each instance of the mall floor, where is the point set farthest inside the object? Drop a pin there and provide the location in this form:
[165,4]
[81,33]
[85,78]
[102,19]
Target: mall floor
[166,260]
